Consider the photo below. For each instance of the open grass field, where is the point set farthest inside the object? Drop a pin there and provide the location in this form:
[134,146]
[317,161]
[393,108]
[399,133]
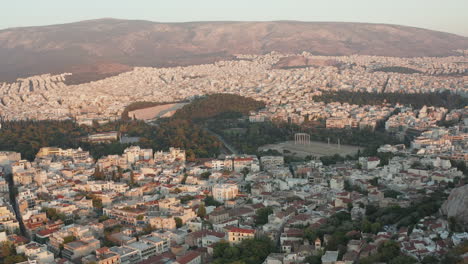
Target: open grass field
[315,148]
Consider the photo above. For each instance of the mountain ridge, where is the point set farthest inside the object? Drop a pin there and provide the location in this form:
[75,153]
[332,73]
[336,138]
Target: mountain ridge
[89,44]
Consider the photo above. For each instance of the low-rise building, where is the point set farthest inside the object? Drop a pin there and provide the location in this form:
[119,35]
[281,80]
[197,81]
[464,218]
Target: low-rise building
[237,235]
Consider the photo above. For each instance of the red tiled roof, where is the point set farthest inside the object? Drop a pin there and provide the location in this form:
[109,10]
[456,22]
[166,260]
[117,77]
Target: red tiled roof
[102,250]
[257,206]
[203,233]
[188,257]
[33,225]
[18,239]
[46,232]
[243,159]
[242,230]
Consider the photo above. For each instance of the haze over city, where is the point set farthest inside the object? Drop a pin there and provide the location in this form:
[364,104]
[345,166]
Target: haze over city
[234,132]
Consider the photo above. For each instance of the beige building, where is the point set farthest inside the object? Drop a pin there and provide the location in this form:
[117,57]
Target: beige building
[103,256]
[224,192]
[237,235]
[80,248]
[162,222]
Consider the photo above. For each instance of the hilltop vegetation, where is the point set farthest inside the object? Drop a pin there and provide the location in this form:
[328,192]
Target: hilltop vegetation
[218,106]
[27,137]
[417,100]
[397,69]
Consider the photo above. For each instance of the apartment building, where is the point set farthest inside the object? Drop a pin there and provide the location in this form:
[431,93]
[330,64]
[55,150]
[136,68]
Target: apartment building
[225,192]
[80,248]
[237,235]
[127,255]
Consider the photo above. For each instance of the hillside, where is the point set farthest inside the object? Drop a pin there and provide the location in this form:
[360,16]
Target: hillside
[99,48]
[218,105]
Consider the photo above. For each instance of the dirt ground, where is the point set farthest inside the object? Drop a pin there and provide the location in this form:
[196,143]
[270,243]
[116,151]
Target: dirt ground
[155,112]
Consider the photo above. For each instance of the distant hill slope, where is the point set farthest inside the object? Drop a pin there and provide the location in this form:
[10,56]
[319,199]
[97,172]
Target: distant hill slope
[91,47]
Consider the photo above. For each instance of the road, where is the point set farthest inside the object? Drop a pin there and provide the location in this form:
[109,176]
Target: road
[228,147]
[11,187]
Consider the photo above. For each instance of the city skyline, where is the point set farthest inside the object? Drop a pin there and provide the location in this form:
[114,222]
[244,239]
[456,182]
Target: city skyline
[445,16]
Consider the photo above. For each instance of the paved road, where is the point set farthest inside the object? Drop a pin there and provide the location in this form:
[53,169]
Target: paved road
[11,187]
[226,145]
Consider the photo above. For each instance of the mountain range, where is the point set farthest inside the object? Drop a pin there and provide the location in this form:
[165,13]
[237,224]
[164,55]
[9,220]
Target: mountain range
[96,49]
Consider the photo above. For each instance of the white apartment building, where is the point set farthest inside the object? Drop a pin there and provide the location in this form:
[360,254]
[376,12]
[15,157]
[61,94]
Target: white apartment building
[225,192]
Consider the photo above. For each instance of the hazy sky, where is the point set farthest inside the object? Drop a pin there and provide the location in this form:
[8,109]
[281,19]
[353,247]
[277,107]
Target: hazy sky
[444,15]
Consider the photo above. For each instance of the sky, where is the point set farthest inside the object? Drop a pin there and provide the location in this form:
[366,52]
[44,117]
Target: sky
[443,15]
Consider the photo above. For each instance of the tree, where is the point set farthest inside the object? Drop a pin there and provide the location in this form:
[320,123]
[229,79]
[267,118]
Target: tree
[374,181]
[201,211]
[210,201]
[184,179]
[391,193]
[248,251]
[430,260]
[6,249]
[388,250]
[403,259]
[366,226]
[53,215]
[205,175]
[98,174]
[132,179]
[314,260]
[14,259]
[68,239]
[262,214]
[97,203]
[218,250]
[375,228]
[454,225]
[103,218]
[245,171]
[178,221]
[310,234]
[148,229]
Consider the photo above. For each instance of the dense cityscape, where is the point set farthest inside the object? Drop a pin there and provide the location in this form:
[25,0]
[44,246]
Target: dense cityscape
[287,92]
[147,205]
[234,132]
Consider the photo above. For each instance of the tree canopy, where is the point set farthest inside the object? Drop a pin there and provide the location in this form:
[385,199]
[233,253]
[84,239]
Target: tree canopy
[262,214]
[249,251]
[439,99]
[218,105]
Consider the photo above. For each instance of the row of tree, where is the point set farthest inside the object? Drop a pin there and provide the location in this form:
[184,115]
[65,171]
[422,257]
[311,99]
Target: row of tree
[417,100]
[397,69]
